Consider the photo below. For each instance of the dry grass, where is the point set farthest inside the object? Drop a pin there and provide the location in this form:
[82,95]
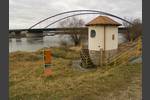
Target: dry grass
[26,80]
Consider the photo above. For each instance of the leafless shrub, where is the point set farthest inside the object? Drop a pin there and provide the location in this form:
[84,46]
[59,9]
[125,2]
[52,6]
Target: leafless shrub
[133,31]
[73,22]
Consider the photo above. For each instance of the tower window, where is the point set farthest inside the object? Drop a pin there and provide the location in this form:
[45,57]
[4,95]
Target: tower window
[113,37]
[93,33]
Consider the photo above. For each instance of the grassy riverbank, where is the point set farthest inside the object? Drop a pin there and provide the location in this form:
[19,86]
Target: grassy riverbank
[26,80]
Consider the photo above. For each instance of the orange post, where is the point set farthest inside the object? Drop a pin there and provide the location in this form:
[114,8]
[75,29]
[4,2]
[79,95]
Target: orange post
[47,72]
[47,56]
[47,62]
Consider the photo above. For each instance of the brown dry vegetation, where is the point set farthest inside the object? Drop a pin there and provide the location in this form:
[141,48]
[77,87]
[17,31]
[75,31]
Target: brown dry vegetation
[26,80]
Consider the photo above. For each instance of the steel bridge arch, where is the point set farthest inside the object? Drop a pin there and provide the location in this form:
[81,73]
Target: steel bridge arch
[67,17]
[96,11]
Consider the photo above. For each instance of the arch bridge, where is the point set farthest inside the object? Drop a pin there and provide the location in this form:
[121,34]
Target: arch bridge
[78,30]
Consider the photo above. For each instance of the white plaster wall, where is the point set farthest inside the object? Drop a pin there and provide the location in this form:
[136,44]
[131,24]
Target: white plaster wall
[98,40]
[95,42]
[110,43]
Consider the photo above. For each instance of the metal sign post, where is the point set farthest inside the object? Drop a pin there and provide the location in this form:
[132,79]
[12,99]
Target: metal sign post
[101,51]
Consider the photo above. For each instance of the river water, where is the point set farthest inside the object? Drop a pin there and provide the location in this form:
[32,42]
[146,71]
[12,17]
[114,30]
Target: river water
[33,44]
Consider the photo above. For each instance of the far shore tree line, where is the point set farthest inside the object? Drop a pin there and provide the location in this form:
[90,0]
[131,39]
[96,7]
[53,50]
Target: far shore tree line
[132,31]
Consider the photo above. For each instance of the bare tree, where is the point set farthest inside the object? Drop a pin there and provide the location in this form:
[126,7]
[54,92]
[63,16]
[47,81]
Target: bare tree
[133,31]
[73,22]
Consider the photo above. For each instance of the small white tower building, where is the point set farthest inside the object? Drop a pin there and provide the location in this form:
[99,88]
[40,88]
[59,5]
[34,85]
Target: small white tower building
[102,35]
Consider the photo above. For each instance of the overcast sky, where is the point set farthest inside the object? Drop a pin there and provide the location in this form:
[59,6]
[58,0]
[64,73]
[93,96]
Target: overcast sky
[25,13]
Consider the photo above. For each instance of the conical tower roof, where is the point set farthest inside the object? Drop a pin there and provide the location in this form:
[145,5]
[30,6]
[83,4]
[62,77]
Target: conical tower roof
[103,20]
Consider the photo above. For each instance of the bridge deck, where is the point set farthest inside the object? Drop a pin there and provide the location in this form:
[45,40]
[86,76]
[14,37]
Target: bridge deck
[58,30]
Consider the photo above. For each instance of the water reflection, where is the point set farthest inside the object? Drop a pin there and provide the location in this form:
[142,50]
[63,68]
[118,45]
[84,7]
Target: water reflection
[10,39]
[33,44]
[35,40]
[18,40]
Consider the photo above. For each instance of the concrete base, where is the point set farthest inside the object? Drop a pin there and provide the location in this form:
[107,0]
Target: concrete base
[107,55]
[100,57]
[95,57]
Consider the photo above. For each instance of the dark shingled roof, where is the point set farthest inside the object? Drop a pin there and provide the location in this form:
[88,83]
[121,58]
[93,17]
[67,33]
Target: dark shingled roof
[103,20]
